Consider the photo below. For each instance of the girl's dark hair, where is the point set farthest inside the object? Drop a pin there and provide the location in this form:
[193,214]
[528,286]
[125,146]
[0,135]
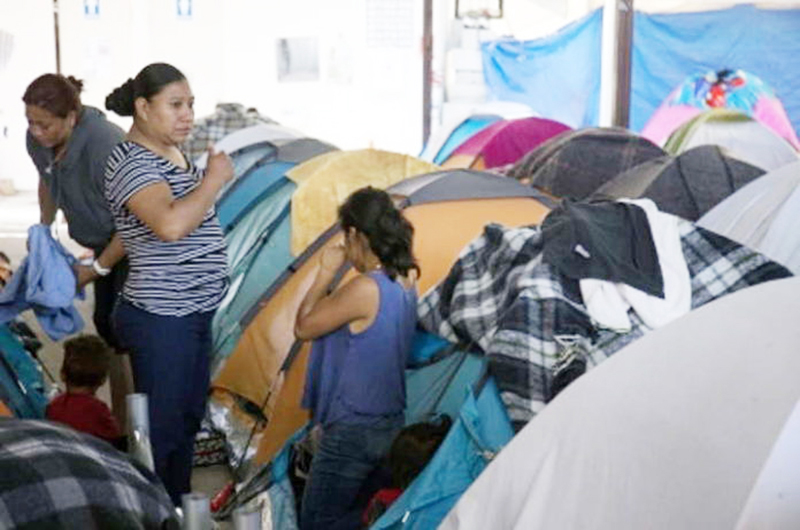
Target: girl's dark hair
[413,448]
[372,212]
[86,361]
[147,83]
[55,93]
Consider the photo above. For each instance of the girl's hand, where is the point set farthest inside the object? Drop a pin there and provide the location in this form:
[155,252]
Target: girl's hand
[333,258]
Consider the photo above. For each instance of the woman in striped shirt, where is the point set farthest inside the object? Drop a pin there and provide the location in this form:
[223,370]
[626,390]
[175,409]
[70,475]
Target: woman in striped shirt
[163,208]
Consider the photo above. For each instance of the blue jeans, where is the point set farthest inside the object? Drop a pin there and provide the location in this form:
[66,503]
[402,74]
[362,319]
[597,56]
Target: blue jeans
[170,362]
[347,455]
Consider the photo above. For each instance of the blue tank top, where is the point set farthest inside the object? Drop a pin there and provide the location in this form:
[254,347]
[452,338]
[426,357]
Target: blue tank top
[360,377]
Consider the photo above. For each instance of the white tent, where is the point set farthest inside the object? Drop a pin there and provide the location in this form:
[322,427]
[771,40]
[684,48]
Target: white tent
[671,432]
[764,215]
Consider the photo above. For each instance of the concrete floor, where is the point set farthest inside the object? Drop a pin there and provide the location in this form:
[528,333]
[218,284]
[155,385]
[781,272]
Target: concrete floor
[18,212]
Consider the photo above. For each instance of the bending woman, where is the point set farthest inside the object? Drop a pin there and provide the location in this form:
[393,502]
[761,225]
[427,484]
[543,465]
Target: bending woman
[163,208]
[355,386]
[69,144]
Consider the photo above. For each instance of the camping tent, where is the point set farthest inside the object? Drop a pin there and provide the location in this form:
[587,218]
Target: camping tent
[764,216]
[669,433]
[459,127]
[22,387]
[741,136]
[575,163]
[274,160]
[267,367]
[733,89]
[274,210]
[503,142]
[687,185]
[226,118]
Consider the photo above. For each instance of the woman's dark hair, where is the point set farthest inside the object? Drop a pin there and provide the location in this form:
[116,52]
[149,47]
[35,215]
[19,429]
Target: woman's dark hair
[86,361]
[372,212]
[147,83]
[55,93]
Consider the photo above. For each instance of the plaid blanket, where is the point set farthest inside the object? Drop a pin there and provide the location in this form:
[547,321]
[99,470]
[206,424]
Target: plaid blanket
[225,119]
[54,477]
[502,299]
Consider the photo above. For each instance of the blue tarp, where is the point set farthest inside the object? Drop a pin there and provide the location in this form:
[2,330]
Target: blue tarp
[668,48]
[559,76]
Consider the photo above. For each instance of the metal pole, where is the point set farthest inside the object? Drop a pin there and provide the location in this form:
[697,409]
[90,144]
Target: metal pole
[246,519]
[58,40]
[139,429]
[615,76]
[196,512]
[624,49]
[427,70]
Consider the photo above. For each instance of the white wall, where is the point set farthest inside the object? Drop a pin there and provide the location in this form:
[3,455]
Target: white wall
[30,22]
[367,94]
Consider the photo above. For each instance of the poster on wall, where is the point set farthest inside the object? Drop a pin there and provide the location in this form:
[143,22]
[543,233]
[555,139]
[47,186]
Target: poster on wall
[479,8]
[91,8]
[184,8]
[6,46]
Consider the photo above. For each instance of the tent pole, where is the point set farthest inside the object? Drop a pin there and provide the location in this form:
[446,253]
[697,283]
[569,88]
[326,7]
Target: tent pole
[58,42]
[427,70]
[615,68]
[624,61]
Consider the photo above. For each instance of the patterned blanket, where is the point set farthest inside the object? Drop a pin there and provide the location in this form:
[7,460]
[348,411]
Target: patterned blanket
[54,477]
[503,300]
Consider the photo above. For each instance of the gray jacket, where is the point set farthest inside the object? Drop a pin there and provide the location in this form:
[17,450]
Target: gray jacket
[76,182]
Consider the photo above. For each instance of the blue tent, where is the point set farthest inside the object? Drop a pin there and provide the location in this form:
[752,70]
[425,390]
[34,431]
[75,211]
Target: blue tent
[254,212]
[455,383]
[22,387]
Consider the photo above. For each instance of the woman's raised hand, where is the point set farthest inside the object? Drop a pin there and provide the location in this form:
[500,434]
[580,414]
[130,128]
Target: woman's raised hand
[333,258]
[219,165]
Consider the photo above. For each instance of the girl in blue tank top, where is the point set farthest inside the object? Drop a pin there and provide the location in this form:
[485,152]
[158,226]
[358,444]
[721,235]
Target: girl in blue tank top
[355,385]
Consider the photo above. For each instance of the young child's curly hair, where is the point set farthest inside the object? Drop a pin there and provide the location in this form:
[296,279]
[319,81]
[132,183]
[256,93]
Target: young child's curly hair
[86,361]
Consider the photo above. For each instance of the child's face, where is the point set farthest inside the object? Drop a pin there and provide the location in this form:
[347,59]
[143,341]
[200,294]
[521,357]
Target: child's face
[5,272]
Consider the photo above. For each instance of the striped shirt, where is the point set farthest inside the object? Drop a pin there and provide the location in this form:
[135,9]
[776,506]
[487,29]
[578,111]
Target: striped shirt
[166,278]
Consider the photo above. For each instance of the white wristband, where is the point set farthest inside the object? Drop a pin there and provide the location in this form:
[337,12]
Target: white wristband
[99,269]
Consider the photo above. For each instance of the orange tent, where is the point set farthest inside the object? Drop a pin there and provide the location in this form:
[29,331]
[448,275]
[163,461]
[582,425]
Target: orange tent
[447,209]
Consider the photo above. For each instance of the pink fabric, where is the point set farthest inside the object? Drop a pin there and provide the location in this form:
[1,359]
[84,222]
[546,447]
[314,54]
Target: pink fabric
[507,141]
[771,113]
[666,120]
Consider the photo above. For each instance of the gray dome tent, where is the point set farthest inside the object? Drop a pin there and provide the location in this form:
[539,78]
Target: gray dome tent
[687,185]
[575,163]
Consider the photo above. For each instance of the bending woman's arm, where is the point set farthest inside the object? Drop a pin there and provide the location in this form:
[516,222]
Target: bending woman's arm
[172,219]
[110,256]
[47,206]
